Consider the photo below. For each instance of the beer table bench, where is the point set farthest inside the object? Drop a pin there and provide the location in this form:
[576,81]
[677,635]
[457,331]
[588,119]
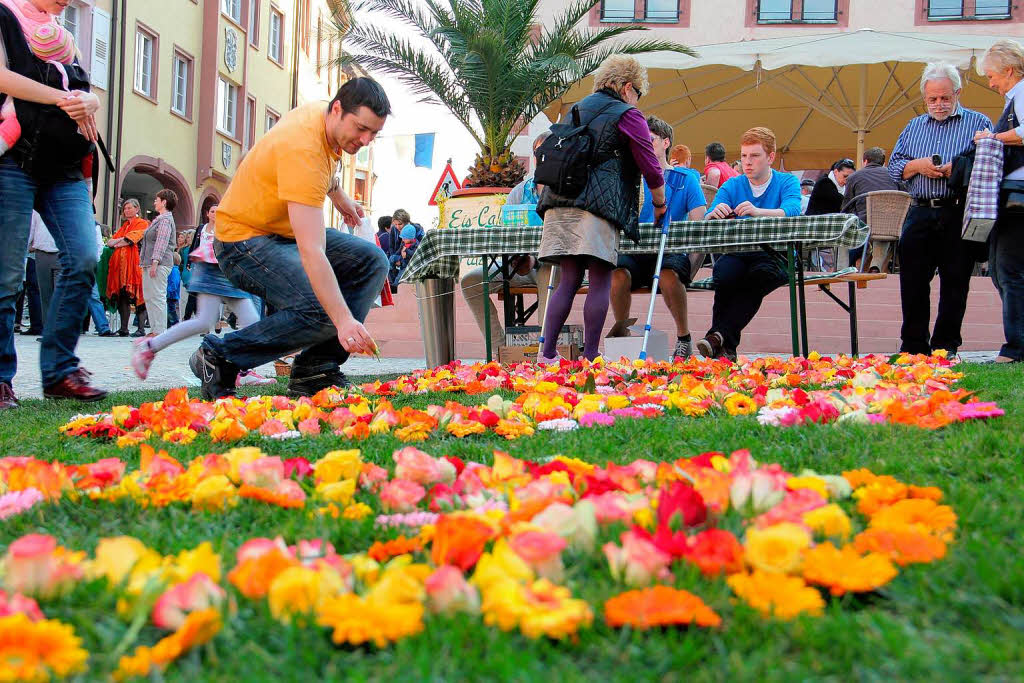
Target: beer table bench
[440,250]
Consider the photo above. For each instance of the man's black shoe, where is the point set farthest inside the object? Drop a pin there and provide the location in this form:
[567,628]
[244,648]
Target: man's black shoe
[306,381]
[217,374]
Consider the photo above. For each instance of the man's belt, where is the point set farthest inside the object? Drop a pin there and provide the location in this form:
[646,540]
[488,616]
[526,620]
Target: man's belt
[937,203]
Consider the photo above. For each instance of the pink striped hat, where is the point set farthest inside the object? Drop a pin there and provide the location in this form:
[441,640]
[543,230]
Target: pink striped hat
[53,43]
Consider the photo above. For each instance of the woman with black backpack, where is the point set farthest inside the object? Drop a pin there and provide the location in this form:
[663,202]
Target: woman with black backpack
[43,170]
[583,215]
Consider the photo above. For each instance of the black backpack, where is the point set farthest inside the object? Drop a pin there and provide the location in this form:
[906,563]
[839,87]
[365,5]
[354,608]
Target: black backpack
[565,158]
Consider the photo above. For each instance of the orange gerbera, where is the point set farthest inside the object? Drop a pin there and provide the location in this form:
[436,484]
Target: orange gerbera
[464,429]
[902,546]
[777,595]
[36,650]
[459,541]
[658,606]
[917,513]
[881,492]
[739,404]
[846,570]
[384,551]
[282,499]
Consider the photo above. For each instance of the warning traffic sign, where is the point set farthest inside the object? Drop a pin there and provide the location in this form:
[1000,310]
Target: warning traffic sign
[446,185]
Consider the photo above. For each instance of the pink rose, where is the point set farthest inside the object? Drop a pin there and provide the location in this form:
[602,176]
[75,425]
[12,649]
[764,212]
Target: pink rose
[542,550]
[401,495]
[199,592]
[613,506]
[34,565]
[297,467]
[266,473]
[413,464]
[289,488]
[792,508]
[448,592]
[19,604]
[16,502]
[272,427]
[638,562]
[309,426]
[372,476]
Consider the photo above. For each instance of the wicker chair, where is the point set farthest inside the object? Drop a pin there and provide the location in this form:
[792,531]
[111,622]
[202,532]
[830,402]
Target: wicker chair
[886,212]
[709,193]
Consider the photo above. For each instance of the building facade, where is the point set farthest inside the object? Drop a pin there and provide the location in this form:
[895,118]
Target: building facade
[187,87]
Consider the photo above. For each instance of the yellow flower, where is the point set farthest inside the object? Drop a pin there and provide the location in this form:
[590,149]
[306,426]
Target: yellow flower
[339,492]
[338,465]
[400,582]
[644,517]
[616,401]
[237,457]
[357,511]
[214,493]
[500,564]
[417,431]
[813,356]
[829,520]
[739,404]
[117,557]
[539,608]
[356,620]
[464,429]
[808,482]
[202,558]
[920,514]
[300,590]
[35,651]
[512,429]
[365,569]
[776,595]
[777,548]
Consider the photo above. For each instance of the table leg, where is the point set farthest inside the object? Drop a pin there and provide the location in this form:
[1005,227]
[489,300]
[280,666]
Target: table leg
[801,295]
[794,325]
[854,341]
[487,308]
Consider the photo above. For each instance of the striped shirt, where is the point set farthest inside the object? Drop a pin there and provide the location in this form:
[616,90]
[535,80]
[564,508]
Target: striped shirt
[925,136]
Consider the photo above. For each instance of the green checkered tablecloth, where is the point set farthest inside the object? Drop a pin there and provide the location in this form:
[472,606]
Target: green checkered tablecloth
[439,252]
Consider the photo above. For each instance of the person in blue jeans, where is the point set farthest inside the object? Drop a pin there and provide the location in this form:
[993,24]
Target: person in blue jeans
[743,280]
[320,283]
[43,171]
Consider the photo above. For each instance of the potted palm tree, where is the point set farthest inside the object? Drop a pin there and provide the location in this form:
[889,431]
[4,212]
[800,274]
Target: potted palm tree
[490,62]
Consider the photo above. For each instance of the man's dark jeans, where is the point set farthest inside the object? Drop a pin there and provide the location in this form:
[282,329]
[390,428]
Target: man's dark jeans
[1006,265]
[742,281]
[270,268]
[931,242]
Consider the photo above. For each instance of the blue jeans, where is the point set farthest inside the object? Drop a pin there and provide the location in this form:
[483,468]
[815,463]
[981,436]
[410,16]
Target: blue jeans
[99,315]
[66,208]
[270,268]
[1006,263]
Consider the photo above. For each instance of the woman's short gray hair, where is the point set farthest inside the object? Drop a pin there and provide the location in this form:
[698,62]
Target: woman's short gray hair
[934,71]
[1004,54]
[617,70]
[132,200]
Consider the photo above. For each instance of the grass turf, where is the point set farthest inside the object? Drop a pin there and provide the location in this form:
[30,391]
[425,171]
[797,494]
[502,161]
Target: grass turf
[959,618]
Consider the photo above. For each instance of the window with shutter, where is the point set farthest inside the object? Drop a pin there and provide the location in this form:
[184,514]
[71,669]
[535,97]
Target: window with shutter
[100,63]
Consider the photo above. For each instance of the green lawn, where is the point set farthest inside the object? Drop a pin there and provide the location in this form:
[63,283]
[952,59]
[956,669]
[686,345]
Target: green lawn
[960,618]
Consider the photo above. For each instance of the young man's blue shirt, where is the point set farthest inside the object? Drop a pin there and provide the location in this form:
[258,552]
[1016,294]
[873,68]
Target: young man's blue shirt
[783,192]
[681,201]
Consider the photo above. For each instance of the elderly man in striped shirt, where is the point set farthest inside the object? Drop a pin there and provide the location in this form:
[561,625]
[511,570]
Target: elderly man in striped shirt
[931,239]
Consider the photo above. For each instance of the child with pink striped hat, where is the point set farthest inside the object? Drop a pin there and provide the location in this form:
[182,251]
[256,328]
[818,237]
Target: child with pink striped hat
[50,42]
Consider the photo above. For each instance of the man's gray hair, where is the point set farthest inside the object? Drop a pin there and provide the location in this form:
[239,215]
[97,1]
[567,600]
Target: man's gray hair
[934,71]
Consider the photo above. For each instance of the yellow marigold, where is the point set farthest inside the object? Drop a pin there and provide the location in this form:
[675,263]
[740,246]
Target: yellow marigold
[357,511]
[417,431]
[776,595]
[845,570]
[538,609]
[115,558]
[464,429]
[511,429]
[829,520]
[300,590]
[921,514]
[338,465]
[808,482]
[340,492]
[38,650]
[214,493]
[777,548]
[357,621]
[902,546]
[739,404]
[182,435]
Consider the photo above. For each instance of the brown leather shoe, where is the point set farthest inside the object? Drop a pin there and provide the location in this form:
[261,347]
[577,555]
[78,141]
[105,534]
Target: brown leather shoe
[7,398]
[75,386]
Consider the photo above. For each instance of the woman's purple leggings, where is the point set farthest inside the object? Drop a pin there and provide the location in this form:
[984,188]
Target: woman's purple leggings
[595,308]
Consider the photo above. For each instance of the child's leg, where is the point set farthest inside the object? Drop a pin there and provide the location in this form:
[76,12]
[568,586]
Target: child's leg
[206,316]
[595,308]
[244,310]
[561,302]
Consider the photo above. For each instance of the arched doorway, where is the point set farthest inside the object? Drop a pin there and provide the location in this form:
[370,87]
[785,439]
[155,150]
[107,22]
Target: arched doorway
[143,176]
[208,198]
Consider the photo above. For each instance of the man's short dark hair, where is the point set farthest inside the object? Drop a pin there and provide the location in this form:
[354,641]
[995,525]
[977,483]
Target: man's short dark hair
[384,222]
[715,151]
[362,92]
[874,155]
[170,198]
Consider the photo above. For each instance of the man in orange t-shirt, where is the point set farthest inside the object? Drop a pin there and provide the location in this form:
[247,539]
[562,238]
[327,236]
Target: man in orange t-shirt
[271,241]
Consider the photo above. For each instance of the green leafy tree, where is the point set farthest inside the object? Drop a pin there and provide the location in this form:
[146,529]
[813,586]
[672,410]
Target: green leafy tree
[490,62]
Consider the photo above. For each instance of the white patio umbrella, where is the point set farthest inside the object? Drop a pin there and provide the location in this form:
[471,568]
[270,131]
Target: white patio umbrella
[825,96]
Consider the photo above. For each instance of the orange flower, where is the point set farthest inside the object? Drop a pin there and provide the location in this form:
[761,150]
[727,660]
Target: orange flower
[464,429]
[861,477]
[288,494]
[199,628]
[459,541]
[739,404]
[384,551]
[881,492]
[902,546]
[252,576]
[658,606]
[921,514]
[777,595]
[929,492]
[845,570]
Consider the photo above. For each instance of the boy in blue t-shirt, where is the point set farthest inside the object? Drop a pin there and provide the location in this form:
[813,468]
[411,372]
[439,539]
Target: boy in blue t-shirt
[742,281]
[635,271]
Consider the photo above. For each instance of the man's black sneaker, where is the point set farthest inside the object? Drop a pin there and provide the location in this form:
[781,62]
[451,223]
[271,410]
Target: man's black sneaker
[217,374]
[306,381]
[710,346]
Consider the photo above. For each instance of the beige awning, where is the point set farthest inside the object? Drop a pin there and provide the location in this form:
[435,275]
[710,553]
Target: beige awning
[825,96]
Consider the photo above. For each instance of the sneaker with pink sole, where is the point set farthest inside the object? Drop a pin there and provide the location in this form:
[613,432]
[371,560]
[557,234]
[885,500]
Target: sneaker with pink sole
[142,358]
[253,378]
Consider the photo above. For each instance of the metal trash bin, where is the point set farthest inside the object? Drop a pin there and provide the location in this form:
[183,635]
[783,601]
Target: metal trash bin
[435,299]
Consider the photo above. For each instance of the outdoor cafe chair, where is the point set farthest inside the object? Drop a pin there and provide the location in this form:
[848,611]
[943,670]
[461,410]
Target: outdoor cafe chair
[886,212]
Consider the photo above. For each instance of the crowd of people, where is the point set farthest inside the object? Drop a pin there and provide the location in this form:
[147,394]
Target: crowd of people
[294,286]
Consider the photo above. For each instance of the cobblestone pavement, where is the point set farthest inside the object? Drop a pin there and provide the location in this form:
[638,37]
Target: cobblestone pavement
[108,359]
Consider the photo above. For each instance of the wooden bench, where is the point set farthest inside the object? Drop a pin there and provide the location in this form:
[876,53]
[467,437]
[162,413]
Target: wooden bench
[519,314]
